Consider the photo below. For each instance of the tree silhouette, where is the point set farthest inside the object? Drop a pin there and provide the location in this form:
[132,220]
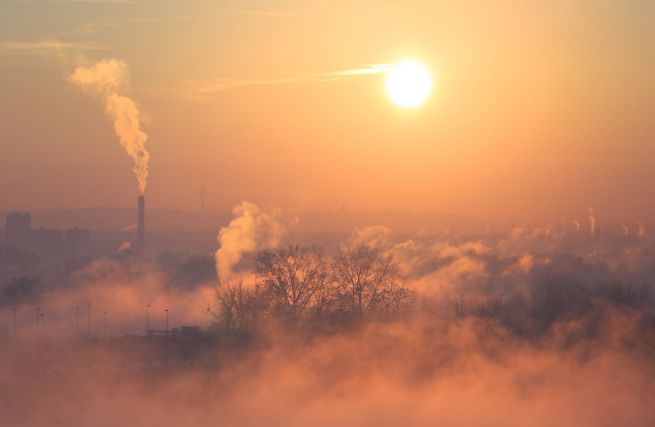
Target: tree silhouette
[367,281]
[295,278]
[238,307]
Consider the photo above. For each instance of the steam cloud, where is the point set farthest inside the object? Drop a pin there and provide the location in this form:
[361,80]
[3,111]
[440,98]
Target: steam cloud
[593,223]
[468,373]
[251,230]
[527,327]
[105,78]
[375,236]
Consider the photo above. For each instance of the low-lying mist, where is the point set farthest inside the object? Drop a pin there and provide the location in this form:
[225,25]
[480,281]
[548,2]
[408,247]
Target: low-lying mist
[419,372]
[539,326]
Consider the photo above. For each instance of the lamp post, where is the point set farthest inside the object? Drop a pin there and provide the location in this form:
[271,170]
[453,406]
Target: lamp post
[89,319]
[147,319]
[166,310]
[42,323]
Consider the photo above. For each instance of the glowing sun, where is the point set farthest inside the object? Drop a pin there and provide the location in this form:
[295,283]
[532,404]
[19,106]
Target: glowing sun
[408,84]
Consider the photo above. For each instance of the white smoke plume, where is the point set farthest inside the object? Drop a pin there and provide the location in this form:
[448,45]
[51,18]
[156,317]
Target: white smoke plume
[576,224]
[375,236]
[642,230]
[593,223]
[252,229]
[105,78]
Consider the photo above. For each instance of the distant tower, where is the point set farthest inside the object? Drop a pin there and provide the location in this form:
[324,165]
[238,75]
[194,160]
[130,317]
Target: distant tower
[141,222]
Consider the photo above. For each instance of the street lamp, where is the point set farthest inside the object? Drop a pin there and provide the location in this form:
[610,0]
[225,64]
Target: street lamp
[89,329]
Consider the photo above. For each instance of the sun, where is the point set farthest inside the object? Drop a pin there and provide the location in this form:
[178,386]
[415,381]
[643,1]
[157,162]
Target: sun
[408,83]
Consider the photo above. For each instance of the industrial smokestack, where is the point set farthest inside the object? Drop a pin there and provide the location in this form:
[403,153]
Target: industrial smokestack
[141,221]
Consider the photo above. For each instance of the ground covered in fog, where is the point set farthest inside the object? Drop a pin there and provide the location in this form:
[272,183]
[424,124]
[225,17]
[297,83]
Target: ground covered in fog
[418,371]
[548,325]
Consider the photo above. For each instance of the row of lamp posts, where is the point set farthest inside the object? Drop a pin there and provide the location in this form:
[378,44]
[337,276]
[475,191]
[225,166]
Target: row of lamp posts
[40,320]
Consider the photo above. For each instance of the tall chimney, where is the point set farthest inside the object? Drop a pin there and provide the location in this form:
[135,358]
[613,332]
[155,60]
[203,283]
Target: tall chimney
[141,221]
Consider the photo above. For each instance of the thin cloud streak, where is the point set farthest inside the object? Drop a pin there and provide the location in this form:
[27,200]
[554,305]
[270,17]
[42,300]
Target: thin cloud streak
[100,27]
[201,89]
[264,13]
[45,47]
[86,1]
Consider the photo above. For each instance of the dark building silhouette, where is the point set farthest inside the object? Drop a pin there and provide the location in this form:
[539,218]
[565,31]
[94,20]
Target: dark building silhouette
[45,239]
[18,229]
[21,235]
[77,240]
[189,330]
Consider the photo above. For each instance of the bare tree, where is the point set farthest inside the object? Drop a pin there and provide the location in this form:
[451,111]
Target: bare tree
[236,306]
[297,282]
[396,294]
[367,281]
[295,277]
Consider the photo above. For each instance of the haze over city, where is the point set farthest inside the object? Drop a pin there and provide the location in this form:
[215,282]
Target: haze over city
[327,213]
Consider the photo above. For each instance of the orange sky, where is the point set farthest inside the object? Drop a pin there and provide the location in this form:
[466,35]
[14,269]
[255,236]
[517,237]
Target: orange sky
[540,109]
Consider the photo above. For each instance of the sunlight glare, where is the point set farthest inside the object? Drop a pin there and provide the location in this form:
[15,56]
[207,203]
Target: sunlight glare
[408,84]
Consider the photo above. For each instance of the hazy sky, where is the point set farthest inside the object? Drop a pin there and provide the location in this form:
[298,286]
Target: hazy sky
[540,109]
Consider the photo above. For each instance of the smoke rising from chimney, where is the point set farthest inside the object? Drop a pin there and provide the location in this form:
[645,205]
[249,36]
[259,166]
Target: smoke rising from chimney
[251,230]
[105,78]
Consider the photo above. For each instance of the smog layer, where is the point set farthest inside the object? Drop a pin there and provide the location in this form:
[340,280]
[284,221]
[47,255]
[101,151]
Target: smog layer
[532,325]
